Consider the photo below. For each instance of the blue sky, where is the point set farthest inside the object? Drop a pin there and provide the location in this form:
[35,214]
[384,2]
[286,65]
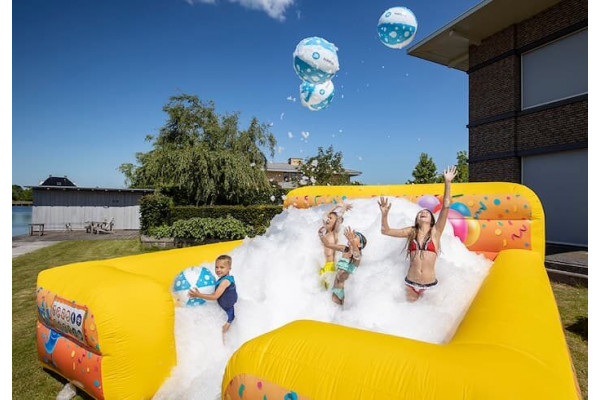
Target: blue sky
[89,81]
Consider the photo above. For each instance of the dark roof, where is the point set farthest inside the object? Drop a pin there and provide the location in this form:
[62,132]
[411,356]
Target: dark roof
[91,189]
[56,181]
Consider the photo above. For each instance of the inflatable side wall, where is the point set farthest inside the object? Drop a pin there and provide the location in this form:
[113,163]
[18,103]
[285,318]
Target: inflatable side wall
[108,326]
[510,344]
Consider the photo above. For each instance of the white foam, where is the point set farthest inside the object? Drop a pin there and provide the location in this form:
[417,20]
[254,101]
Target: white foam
[277,282]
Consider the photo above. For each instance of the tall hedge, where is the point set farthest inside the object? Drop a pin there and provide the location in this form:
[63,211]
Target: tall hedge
[258,217]
[155,210]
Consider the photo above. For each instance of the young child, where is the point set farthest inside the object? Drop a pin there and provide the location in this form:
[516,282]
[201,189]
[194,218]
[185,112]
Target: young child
[329,236]
[351,256]
[225,293]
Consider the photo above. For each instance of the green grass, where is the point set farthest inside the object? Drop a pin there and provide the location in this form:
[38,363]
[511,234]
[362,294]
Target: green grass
[30,381]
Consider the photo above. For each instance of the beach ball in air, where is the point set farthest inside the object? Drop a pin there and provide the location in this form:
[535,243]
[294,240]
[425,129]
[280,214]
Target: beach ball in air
[315,60]
[397,27]
[316,97]
[199,277]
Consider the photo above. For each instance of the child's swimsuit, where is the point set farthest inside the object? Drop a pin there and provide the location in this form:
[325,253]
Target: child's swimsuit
[228,298]
[419,288]
[326,273]
[427,246]
[345,265]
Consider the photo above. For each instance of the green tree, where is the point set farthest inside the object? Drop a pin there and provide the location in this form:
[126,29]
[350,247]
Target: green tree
[425,171]
[20,194]
[322,169]
[201,157]
[462,167]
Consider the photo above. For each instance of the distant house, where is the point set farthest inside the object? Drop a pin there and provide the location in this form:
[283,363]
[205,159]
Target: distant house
[58,203]
[287,174]
[527,63]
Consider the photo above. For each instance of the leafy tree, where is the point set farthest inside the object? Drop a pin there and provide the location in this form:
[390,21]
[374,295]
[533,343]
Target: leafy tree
[20,194]
[425,171]
[201,157]
[462,167]
[322,169]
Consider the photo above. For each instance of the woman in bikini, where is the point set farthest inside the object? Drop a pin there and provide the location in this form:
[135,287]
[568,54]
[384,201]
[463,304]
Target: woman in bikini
[423,241]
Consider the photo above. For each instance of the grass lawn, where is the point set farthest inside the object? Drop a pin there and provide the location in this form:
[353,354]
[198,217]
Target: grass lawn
[30,381]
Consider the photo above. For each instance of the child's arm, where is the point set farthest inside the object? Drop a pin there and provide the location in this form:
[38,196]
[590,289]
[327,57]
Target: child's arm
[333,246]
[355,251]
[385,206]
[214,296]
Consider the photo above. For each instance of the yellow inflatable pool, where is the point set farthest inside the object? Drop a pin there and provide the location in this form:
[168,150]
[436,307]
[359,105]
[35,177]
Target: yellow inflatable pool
[107,326]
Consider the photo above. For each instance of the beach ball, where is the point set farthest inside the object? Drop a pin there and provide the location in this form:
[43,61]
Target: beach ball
[473,232]
[397,27]
[461,208]
[315,60]
[459,224]
[316,97]
[199,277]
[428,201]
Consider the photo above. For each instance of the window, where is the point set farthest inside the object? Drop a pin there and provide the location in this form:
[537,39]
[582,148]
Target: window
[555,71]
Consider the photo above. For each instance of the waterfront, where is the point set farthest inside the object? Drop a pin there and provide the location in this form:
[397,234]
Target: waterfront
[21,218]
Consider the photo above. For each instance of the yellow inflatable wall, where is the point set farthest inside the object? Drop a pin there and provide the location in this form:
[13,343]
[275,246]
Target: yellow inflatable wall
[107,326]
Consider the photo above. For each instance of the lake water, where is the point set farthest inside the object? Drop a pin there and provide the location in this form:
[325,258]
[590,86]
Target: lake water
[21,218]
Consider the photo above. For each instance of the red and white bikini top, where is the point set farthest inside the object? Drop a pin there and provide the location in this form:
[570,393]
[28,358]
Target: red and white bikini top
[427,246]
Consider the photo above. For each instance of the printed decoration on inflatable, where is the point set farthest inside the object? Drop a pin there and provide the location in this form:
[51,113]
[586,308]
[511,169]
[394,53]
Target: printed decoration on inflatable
[428,201]
[397,27]
[315,60]
[316,97]
[198,277]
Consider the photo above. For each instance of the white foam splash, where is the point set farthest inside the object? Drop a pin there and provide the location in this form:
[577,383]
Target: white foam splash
[277,282]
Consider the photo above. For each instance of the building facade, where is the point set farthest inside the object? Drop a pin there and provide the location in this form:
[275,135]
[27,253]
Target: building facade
[72,207]
[528,100]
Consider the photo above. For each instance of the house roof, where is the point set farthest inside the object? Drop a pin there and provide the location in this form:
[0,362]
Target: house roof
[285,167]
[449,45]
[57,181]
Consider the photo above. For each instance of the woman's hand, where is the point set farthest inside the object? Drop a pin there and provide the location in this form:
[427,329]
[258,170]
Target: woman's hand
[384,205]
[449,173]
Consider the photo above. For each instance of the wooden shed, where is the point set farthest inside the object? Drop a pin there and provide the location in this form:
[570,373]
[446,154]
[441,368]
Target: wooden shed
[63,207]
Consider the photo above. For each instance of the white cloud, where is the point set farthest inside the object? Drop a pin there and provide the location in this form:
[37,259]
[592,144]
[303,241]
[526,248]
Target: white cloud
[274,8]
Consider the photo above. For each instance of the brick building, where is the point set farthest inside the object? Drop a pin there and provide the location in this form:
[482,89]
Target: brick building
[528,99]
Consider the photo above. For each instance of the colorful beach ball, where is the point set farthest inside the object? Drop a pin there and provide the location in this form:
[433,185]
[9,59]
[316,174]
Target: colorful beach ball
[316,97]
[199,277]
[315,60]
[397,27]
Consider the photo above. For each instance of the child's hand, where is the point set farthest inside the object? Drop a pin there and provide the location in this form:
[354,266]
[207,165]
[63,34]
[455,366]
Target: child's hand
[194,292]
[384,205]
[348,207]
[322,231]
[349,233]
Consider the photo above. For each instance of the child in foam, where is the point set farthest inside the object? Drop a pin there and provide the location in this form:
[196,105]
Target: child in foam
[423,241]
[225,292]
[329,236]
[351,256]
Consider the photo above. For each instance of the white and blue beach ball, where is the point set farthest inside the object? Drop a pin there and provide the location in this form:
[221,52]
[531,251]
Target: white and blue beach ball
[315,60]
[316,97]
[199,277]
[397,27]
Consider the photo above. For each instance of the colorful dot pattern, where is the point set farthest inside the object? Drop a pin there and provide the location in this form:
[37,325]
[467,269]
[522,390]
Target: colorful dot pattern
[247,386]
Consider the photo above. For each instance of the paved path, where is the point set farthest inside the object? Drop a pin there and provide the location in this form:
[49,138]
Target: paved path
[24,244]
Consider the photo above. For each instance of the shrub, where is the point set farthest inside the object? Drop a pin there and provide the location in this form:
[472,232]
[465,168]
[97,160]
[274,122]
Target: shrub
[258,217]
[155,210]
[200,229]
[159,232]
